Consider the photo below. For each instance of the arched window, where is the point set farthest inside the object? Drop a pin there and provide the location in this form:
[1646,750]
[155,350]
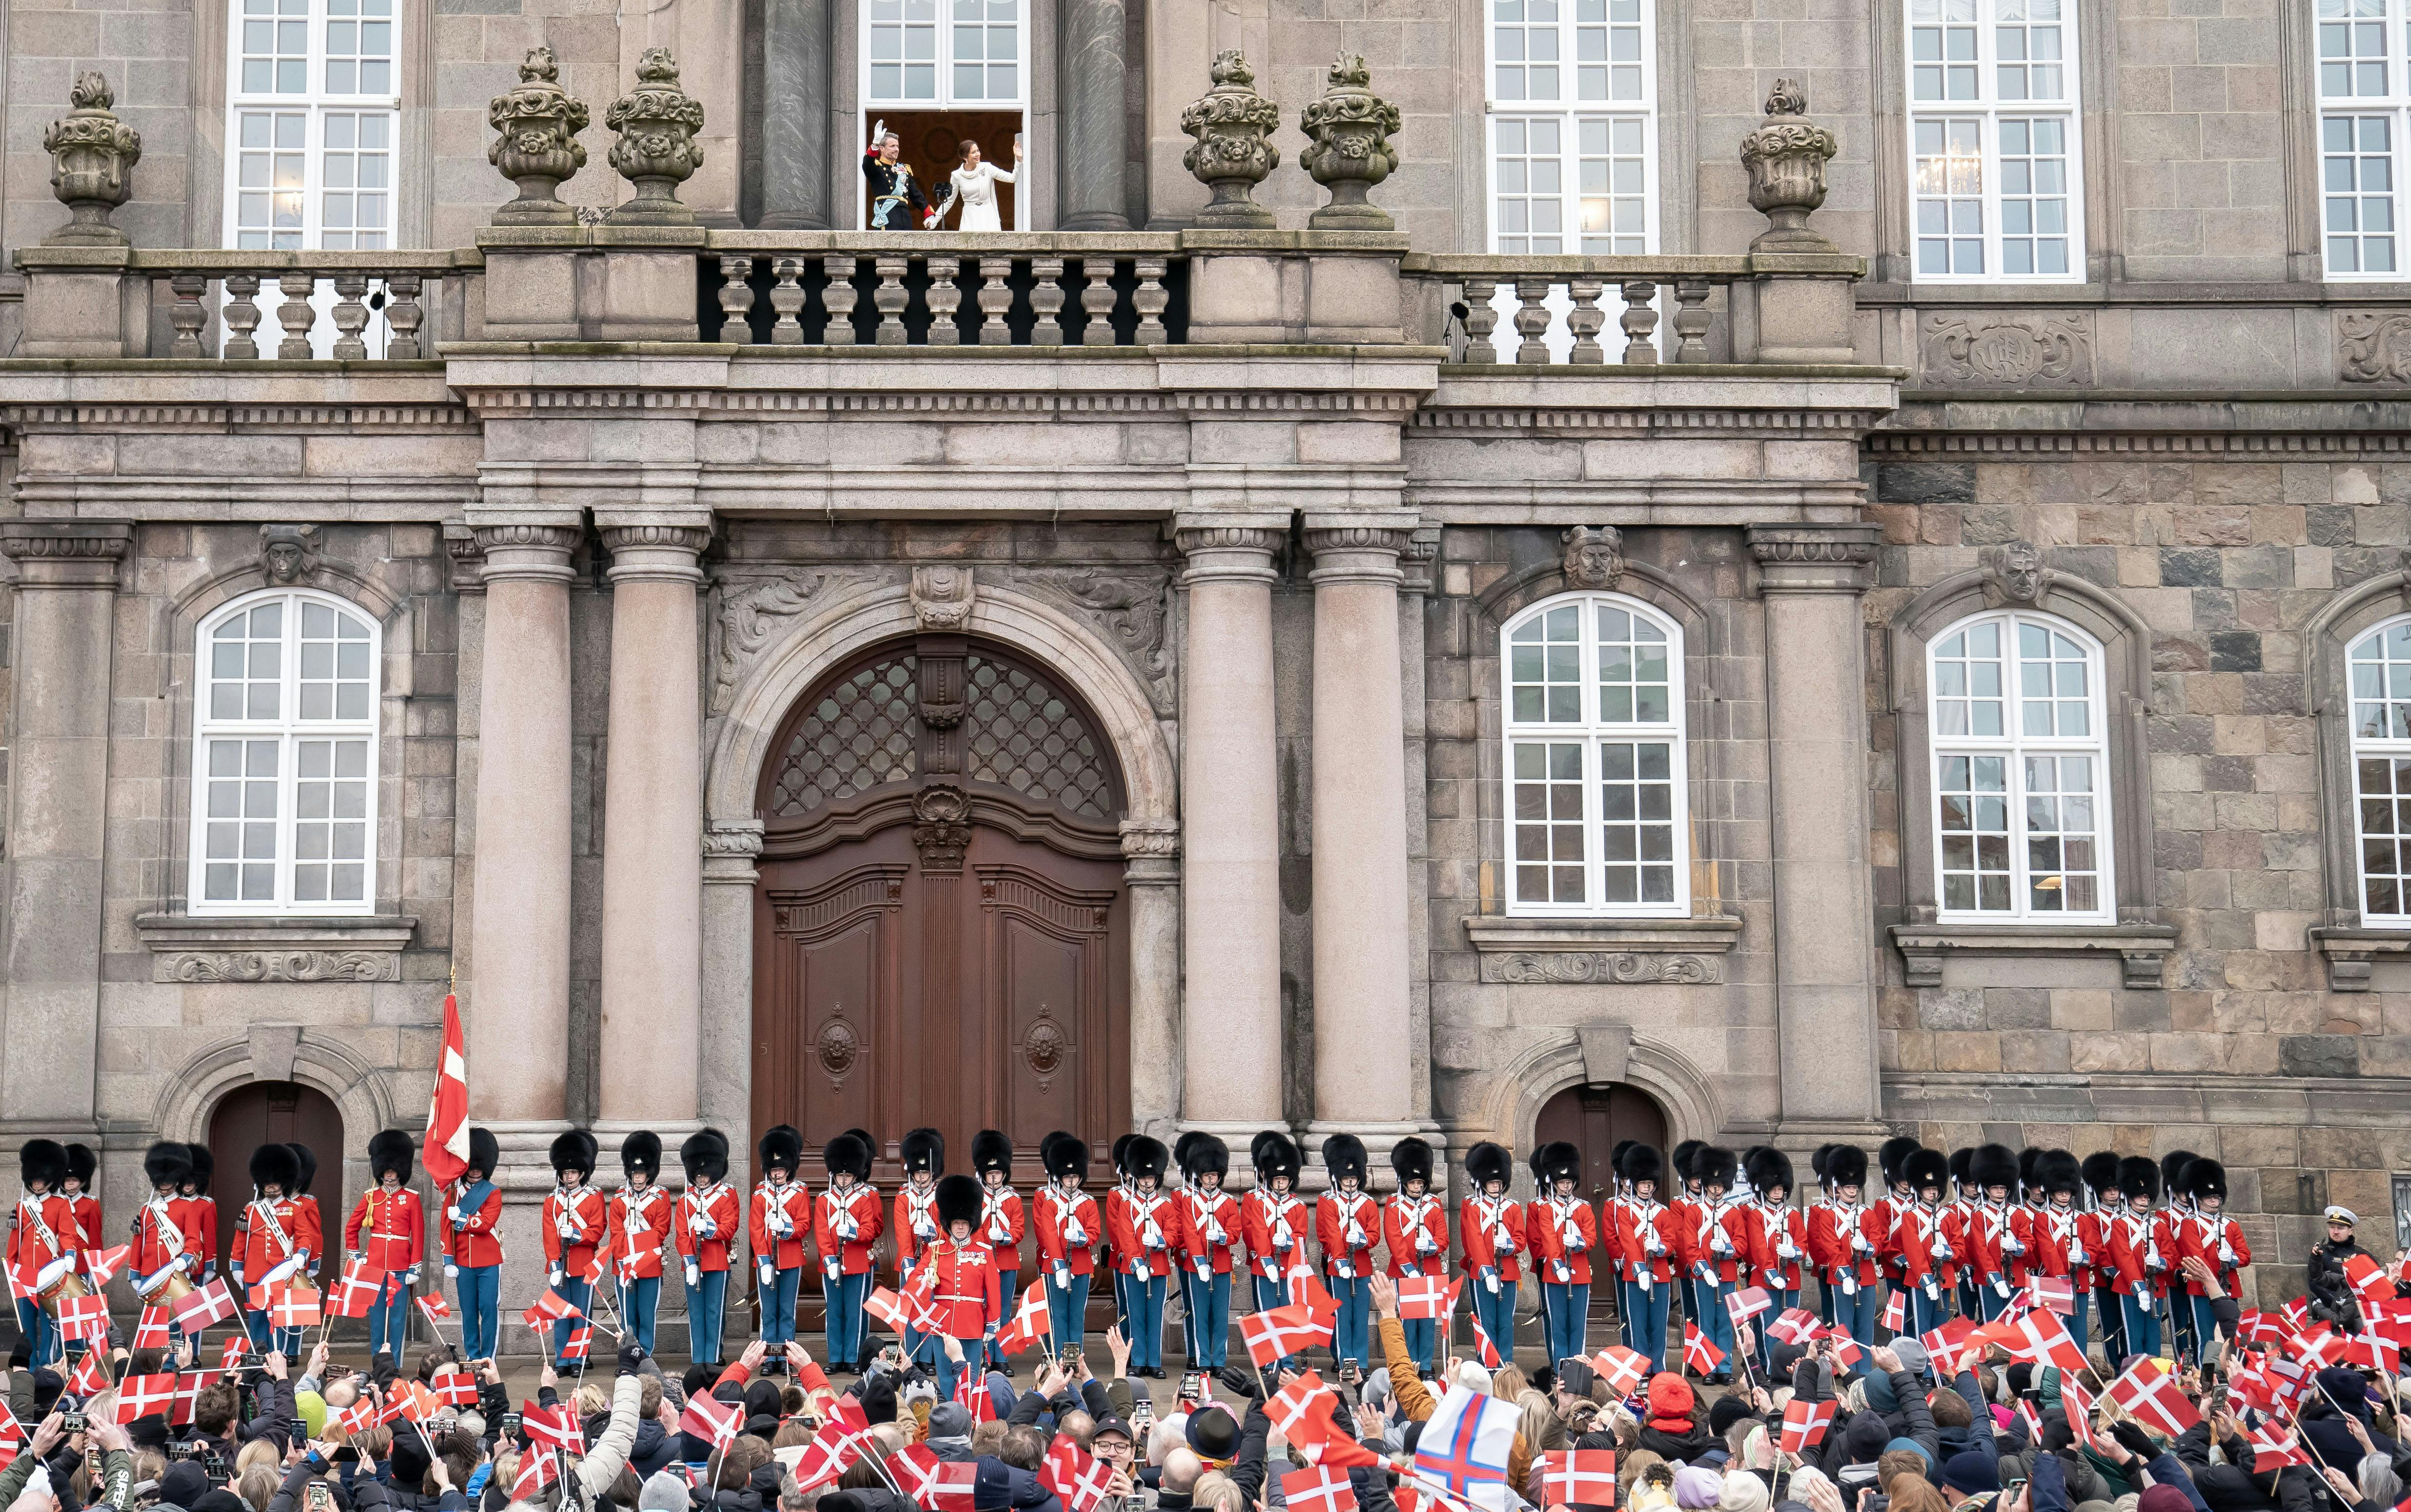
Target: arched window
[1595,766]
[2021,797]
[284,757]
[2380,674]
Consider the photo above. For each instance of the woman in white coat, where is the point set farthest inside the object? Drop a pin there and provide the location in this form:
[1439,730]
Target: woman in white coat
[974,187]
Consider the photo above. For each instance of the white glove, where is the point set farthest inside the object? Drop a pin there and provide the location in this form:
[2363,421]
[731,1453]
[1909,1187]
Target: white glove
[1859,1243]
[845,1228]
[1424,1242]
[410,1277]
[831,1265]
[769,1273]
[1062,1276]
[704,1227]
[553,1275]
[451,1271]
[2076,1255]
[453,1212]
[1784,1251]
[2010,1245]
[1942,1250]
[694,1274]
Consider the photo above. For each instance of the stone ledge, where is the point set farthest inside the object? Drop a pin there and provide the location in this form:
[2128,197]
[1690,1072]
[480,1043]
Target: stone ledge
[2143,949]
[1602,951]
[184,949]
[2352,952]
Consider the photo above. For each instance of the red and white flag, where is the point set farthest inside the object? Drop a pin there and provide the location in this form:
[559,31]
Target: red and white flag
[435,1308]
[837,1444]
[1949,1347]
[2149,1392]
[1700,1355]
[410,1403]
[1578,1478]
[1319,1489]
[553,1429]
[2057,1294]
[1896,1318]
[1747,1302]
[99,1265]
[91,1376]
[1300,1402]
[580,1344]
[445,1151]
[887,1308]
[231,1355]
[294,1307]
[2031,1418]
[359,1418]
[1794,1326]
[1805,1424]
[972,1395]
[2274,1446]
[151,1328]
[712,1420]
[2078,1407]
[189,1387]
[84,1317]
[454,1388]
[1622,1369]
[1427,1296]
[2258,1327]
[1070,1472]
[931,1482]
[357,1293]
[537,1470]
[12,1437]
[139,1396]
[1278,1332]
[2045,1341]
[1486,1348]
[1464,1447]
[2367,1278]
[1846,1349]
[549,1308]
[1309,1289]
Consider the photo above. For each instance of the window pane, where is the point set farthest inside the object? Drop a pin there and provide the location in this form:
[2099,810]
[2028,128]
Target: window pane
[1545,802]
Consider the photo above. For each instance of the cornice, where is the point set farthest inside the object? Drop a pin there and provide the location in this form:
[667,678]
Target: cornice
[214,415]
[2288,445]
[1704,420]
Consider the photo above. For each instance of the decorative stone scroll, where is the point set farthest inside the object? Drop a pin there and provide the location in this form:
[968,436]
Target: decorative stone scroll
[1622,968]
[280,966]
[2008,352]
[2374,346]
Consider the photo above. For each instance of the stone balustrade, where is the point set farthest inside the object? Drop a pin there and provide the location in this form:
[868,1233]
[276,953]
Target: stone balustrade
[1540,311]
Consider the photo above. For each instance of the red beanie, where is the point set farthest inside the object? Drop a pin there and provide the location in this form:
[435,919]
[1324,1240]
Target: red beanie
[1670,1401]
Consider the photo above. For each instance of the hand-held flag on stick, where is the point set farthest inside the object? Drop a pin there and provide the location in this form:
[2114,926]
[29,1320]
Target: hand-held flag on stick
[1319,1489]
[1427,1296]
[712,1420]
[1748,1303]
[1578,1478]
[1465,1444]
[1070,1472]
[357,1293]
[139,1396]
[151,1328]
[1805,1424]
[549,1308]
[1701,1355]
[2149,1392]
[1622,1369]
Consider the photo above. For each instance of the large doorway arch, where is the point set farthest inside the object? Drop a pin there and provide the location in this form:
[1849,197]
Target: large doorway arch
[940,933]
[1595,1118]
[272,1112]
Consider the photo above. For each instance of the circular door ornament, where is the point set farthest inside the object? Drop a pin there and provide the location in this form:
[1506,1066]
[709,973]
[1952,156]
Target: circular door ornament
[838,1048]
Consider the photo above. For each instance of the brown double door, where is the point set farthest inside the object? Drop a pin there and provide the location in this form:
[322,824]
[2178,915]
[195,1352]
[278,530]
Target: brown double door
[1595,1118]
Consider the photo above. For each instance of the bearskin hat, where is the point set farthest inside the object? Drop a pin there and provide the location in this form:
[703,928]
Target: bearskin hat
[1121,1153]
[1924,1167]
[574,1151]
[1846,1164]
[1145,1156]
[1890,1156]
[1816,1162]
[2203,1178]
[849,1153]
[783,1147]
[1993,1165]
[1960,1159]
[1343,1154]
[958,1201]
[2027,1158]
[1615,1155]
[1714,1165]
[1201,1155]
[1684,1154]
[1641,1163]
[205,1165]
[391,1149]
[272,1165]
[704,1157]
[1556,1161]
[991,1151]
[1769,1169]
[170,1164]
[925,1149]
[1274,1153]
[485,1154]
[641,1151]
[307,1159]
[81,1164]
[1064,1155]
[1412,1159]
[44,1161]
[2173,1166]
[2056,1171]
[2100,1171]
[1486,1163]
[2138,1176]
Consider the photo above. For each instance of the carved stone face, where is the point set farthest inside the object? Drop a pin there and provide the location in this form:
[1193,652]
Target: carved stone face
[284,560]
[2021,571]
[1594,558]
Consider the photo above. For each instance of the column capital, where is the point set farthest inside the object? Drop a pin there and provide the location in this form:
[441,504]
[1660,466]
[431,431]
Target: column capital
[654,551]
[1151,848]
[1236,548]
[1814,558]
[66,553]
[1359,547]
[528,550]
[729,848]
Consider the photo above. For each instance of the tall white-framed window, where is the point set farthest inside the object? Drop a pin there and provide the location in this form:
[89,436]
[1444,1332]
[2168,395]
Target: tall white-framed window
[1572,90]
[1995,165]
[1595,770]
[312,112]
[2021,771]
[937,55]
[284,757]
[2379,669]
[2364,63]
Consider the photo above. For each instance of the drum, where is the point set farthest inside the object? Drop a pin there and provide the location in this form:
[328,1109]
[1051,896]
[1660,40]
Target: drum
[168,1292]
[66,1288]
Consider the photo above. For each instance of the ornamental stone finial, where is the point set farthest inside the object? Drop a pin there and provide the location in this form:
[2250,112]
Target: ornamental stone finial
[538,149]
[1350,151]
[656,150]
[1785,157]
[93,155]
[1231,155]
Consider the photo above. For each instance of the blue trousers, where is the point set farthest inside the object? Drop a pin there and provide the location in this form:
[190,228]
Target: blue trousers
[1495,1312]
[1067,1310]
[1691,1293]
[286,1341]
[1423,1341]
[1569,1304]
[904,1269]
[948,1373]
[1008,1288]
[1350,1331]
[41,1333]
[1209,1301]
[704,1302]
[1928,1312]
[779,1304]
[841,1296]
[1271,1293]
[1781,1302]
[1858,1312]
[1144,1300]
[389,1316]
[2108,1306]
[2143,1317]
[1716,1317]
[480,1287]
[1121,1301]
[640,1300]
[2182,1320]
[578,1293]
[1645,1315]
[1991,1300]
[2076,1319]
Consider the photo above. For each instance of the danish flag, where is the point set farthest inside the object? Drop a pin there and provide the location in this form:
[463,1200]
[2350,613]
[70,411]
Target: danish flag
[1747,1302]
[580,1344]
[294,1307]
[2078,1407]
[1317,1488]
[1622,1369]
[1489,1351]
[231,1355]
[1805,1424]
[12,1436]
[139,1395]
[536,1471]
[1308,1288]
[887,1308]
[151,1328]
[189,1387]
[1701,1355]
[713,1420]
[2057,1293]
[1070,1472]
[2044,1340]
[91,1377]
[2368,1279]
[435,1308]
[1896,1318]
[410,1403]
[549,1308]
[2262,1327]
[445,1151]
[555,1428]
[84,1317]
[1280,1332]
[1949,1345]
[1578,1478]
[833,1449]
[972,1395]
[357,1291]
[1846,1349]
[1794,1326]
[2149,1392]
[359,1418]
[931,1482]
[2273,1447]
[99,1265]
[1427,1296]
[454,1388]
[1296,1405]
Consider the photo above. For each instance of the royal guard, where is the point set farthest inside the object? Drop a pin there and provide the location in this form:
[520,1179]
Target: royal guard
[1778,1234]
[2210,1236]
[268,1251]
[964,1297]
[2026,1209]
[82,1166]
[1068,1229]
[2100,1172]
[1414,1232]
[1720,1245]
[388,1229]
[1274,1220]
[705,1226]
[1347,1227]
[1647,1234]
[781,1228]
[200,1212]
[1683,1204]
[640,1229]
[1149,1236]
[1003,1221]
[915,1222]
[1113,1257]
[1845,1238]
[310,1222]
[846,1222]
[2176,1216]
[1490,1238]
[471,1238]
[1209,1224]
[1563,1232]
[2139,1252]
[1611,1267]
[1893,1207]
[1928,1240]
[163,1252]
[41,1247]
[2055,1245]
[576,1222]
[1992,1176]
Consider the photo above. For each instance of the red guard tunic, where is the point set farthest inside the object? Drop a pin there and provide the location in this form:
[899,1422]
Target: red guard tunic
[310,1231]
[641,1225]
[87,1221]
[780,1224]
[388,1229]
[845,1224]
[198,1218]
[1648,1233]
[268,1248]
[1845,1239]
[1683,1214]
[966,1298]
[1146,1233]
[1779,1242]
[2093,1231]
[2140,1252]
[1929,1248]
[1562,1232]
[2217,1240]
[2019,1255]
[1722,1242]
[41,1240]
[479,1239]
[1414,1230]
[1275,1228]
[1346,1224]
[574,1219]
[1490,1235]
[1988,1235]
[160,1241]
[1069,1228]
[1003,1223]
[705,1225]
[1209,1226]
[2055,1243]
[916,1222]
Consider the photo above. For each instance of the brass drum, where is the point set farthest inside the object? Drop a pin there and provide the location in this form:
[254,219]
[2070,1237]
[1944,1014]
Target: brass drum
[67,1287]
[168,1292]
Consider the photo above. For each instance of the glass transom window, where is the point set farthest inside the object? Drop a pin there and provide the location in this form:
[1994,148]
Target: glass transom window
[1596,798]
[2381,672]
[284,758]
[1993,163]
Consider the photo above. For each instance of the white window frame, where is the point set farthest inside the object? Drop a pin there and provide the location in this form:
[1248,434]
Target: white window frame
[1570,112]
[1590,731]
[2014,746]
[1988,109]
[2381,747]
[876,107]
[2338,46]
[288,730]
[316,103]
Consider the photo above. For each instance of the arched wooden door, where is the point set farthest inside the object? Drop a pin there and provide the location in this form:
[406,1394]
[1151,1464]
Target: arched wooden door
[1595,1118]
[273,1112]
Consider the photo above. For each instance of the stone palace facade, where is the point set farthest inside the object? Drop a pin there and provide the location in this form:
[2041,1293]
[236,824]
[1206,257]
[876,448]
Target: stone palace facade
[1569,644]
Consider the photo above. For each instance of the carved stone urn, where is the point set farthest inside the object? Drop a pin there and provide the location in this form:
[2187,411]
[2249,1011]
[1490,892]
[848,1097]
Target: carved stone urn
[1231,155]
[1786,155]
[656,150]
[93,155]
[1351,150]
[538,149]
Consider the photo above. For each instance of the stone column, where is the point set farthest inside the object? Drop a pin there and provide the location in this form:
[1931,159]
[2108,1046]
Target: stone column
[795,119]
[1417,563]
[58,819]
[1230,811]
[724,1095]
[1151,848]
[1364,1068]
[1096,37]
[1811,577]
[652,826]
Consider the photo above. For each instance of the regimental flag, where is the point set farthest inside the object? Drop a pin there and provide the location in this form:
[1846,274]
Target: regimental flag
[1578,1478]
[1622,1369]
[1805,1424]
[1700,1355]
[2149,1392]
[445,1151]
[1317,1489]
